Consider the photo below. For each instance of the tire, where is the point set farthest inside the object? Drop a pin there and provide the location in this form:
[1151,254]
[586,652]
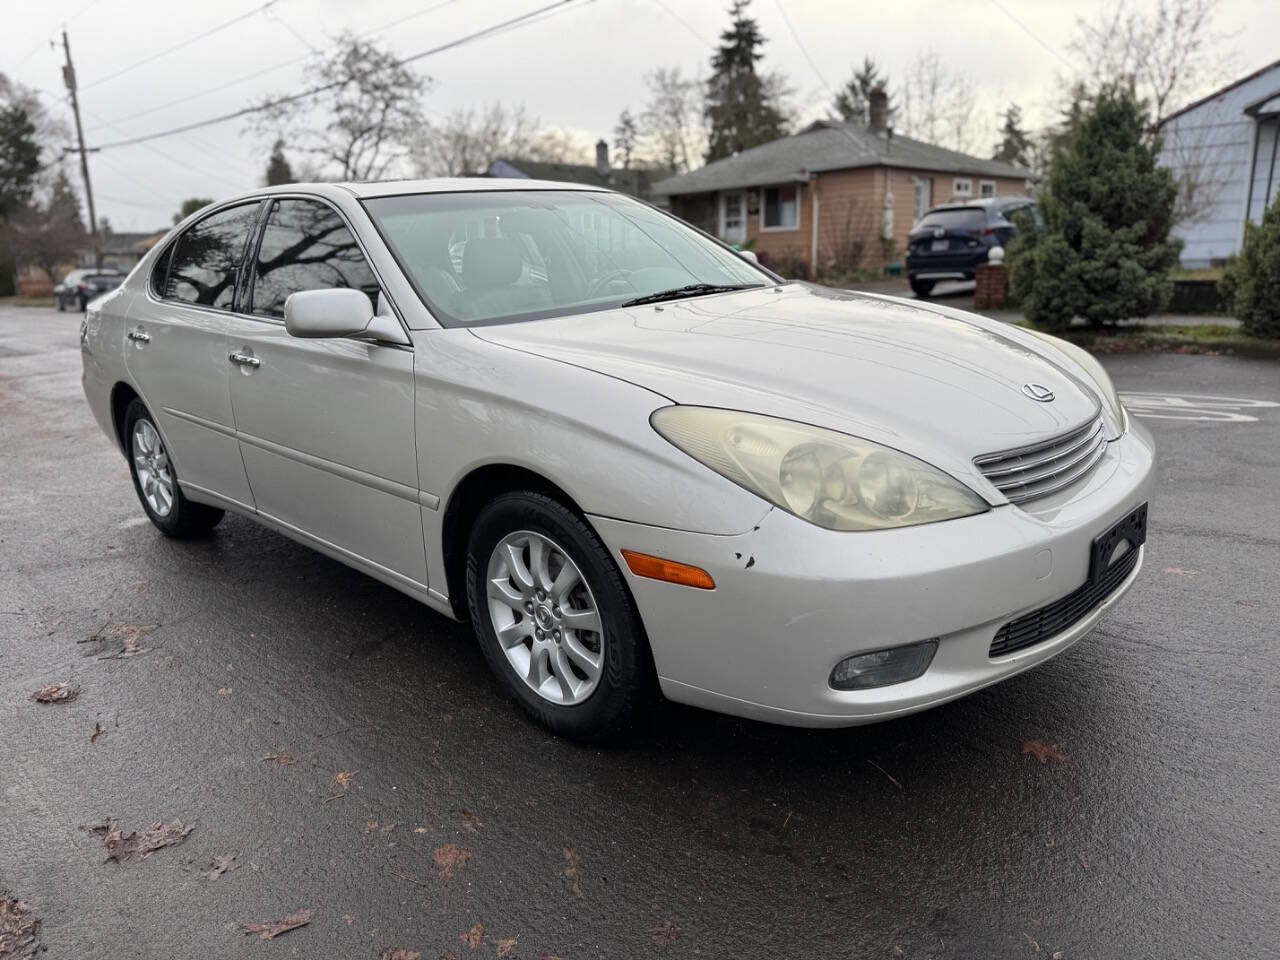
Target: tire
[600,707]
[922,288]
[62,306]
[158,481]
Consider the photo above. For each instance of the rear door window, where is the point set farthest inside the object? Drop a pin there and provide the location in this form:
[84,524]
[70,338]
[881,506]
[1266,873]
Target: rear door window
[206,258]
[306,246]
[960,219]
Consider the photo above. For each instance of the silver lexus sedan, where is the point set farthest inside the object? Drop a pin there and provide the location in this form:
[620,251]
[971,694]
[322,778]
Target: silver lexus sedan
[634,459]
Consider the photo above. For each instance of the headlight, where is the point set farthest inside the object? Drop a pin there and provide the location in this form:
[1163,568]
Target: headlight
[1096,373]
[828,478]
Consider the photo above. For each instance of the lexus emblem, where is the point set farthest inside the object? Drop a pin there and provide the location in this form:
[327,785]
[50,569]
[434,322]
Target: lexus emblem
[1037,391]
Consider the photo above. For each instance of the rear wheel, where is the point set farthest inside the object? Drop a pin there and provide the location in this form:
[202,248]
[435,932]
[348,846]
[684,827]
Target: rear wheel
[922,288]
[156,482]
[554,618]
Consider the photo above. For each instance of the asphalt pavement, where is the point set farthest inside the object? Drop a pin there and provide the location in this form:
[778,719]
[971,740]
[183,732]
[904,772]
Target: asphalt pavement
[343,757]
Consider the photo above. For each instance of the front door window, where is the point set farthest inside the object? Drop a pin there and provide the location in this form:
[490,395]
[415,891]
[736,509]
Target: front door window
[733,217]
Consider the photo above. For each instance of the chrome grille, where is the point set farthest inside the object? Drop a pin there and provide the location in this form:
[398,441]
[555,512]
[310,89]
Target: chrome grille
[1041,468]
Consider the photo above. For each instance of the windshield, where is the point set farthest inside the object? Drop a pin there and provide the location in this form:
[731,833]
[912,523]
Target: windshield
[501,256]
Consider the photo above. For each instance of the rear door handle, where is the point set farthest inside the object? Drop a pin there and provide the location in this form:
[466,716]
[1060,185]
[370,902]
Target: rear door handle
[139,336]
[244,359]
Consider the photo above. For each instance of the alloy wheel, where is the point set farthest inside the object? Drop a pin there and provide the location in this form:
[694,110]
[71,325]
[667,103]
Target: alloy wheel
[151,465]
[545,617]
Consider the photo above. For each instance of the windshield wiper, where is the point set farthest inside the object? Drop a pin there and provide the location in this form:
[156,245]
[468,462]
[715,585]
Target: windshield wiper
[689,290]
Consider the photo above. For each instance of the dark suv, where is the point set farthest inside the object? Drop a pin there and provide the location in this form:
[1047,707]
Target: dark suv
[80,286]
[949,241]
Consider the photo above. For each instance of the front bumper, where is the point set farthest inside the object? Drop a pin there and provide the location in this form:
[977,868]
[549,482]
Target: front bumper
[792,599]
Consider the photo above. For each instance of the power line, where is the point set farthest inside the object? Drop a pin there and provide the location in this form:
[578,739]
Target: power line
[275,66]
[683,22]
[185,43]
[804,50]
[302,95]
[1030,33]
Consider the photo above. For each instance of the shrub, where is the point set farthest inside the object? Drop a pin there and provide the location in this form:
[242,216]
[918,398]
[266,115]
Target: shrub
[1251,283]
[1105,253]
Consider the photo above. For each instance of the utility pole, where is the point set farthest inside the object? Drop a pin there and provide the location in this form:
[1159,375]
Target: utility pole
[69,78]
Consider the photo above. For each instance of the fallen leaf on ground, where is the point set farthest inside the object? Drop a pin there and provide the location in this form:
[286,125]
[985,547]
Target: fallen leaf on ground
[56,693]
[550,956]
[270,929]
[19,927]
[344,778]
[1032,940]
[224,691]
[470,822]
[1044,752]
[130,634]
[98,731]
[280,759]
[219,866]
[1181,572]
[398,953]
[124,846]
[507,946]
[421,830]
[349,918]
[473,937]
[451,857]
[665,932]
[572,870]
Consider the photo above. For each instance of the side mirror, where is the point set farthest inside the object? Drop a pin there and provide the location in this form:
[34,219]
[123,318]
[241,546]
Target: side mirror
[340,312]
[749,256]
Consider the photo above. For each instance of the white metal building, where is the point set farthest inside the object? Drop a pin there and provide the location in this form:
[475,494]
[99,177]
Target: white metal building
[1223,151]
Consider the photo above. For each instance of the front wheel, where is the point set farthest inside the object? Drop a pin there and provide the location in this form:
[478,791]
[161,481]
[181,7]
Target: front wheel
[554,618]
[156,482]
[922,288]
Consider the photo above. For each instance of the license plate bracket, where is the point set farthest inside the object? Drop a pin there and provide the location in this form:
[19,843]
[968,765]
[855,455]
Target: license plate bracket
[1133,529]
[939,245]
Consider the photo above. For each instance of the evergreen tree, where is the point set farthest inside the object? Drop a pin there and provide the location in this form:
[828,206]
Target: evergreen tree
[853,100]
[19,158]
[1015,145]
[1251,284]
[190,206]
[742,106]
[278,169]
[1105,252]
[626,136]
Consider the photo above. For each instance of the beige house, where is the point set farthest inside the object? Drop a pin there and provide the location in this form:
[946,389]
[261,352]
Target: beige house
[833,196]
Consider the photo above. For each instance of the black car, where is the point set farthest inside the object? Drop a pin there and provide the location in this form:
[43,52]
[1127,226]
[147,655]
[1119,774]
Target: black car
[80,286]
[949,241]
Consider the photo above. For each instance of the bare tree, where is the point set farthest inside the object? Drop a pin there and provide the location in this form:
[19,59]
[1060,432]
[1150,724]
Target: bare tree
[48,233]
[1167,56]
[1203,167]
[361,116]
[938,106]
[626,139]
[466,142]
[843,232]
[670,123]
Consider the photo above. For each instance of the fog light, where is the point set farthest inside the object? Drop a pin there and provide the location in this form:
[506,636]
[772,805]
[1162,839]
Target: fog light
[883,667]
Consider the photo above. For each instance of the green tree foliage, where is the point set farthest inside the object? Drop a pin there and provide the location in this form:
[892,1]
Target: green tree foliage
[1015,144]
[1104,253]
[1251,284]
[189,206]
[853,100]
[278,169]
[19,158]
[742,107]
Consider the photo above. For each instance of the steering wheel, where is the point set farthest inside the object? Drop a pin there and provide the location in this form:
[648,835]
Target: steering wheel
[601,282]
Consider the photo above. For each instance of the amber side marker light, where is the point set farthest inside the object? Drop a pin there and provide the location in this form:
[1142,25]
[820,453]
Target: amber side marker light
[655,568]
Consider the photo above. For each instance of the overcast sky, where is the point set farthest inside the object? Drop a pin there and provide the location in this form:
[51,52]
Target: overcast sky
[576,69]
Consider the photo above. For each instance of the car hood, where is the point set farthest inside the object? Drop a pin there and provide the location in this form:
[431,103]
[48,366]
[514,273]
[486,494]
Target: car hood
[942,385]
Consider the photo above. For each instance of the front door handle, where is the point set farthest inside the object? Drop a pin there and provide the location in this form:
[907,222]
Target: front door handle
[139,336]
[244,359]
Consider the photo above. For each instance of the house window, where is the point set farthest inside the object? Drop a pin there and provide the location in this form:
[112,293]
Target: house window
[781,209]
[962,187]
[986,188]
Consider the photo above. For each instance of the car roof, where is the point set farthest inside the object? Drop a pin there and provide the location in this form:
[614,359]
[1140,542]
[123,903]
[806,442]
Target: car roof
[390,188]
